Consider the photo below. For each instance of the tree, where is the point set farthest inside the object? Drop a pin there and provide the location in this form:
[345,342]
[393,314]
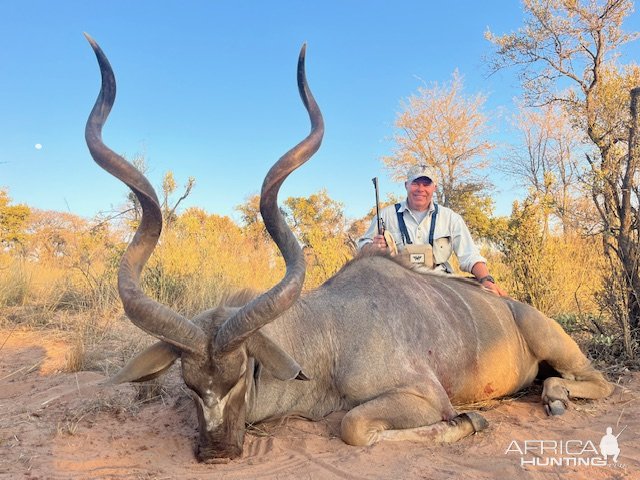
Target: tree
[169,187]
[318,222]
[167,206]
[525,252]
[554,273]
[252,219]
[547,161]
[476,208]
[567,42]
[13,222]
[570,45]
[443,128]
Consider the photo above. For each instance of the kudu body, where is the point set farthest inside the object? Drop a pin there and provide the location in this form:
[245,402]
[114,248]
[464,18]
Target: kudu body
[393,347]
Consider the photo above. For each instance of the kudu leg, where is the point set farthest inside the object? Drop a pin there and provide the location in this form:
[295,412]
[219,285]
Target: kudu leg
[403,416]
[550,343]
[556,391]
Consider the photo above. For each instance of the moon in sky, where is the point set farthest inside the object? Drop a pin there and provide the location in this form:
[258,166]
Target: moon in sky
[38,146]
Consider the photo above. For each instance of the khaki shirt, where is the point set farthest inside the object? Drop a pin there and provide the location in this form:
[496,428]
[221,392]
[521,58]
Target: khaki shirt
[448,224]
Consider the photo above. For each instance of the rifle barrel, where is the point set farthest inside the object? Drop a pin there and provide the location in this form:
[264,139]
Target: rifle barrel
[375,186]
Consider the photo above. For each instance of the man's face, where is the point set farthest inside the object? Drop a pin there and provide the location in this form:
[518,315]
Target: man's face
[420,193]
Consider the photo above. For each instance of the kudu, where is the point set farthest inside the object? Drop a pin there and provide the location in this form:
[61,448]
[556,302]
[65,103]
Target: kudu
[393,347]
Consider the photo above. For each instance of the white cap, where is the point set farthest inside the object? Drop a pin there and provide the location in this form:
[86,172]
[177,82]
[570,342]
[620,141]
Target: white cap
[422,170]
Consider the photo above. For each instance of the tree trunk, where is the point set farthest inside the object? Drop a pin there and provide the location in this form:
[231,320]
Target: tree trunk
[628,240]
[621,234]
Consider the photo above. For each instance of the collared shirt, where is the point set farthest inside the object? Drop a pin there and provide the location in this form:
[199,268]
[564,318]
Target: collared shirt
[448,224]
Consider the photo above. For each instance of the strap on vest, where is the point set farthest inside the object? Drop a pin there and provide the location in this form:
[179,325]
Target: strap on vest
[433,223]
[403,226]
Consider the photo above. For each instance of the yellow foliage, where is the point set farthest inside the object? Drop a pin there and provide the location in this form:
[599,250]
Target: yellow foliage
[13,219]
[553,272]
[202,256]
[318,221]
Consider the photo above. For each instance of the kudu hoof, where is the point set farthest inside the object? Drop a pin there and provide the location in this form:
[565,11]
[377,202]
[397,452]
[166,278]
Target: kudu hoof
[478,421]
[555,407]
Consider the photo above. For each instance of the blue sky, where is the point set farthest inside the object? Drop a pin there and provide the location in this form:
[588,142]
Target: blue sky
[207,89]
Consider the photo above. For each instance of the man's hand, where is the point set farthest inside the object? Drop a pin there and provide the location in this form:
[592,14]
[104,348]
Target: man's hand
[481,272]
[380,242]
[489,285]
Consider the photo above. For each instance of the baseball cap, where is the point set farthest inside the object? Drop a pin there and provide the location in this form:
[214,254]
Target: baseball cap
[422,171]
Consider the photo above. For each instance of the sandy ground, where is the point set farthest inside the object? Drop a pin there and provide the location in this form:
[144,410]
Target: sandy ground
[57,425]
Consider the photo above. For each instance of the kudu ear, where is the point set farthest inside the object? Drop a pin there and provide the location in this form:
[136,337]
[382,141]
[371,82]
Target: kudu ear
[278,362]
[147,365]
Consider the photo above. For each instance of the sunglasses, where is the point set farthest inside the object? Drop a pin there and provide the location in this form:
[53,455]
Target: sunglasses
[426,181]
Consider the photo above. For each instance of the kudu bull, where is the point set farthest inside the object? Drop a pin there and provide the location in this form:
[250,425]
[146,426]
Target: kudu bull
[392,347]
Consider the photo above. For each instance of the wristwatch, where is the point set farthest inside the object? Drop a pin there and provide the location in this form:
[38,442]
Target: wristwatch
[488,277]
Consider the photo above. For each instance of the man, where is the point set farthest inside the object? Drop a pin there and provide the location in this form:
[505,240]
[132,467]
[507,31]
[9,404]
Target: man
[418,221]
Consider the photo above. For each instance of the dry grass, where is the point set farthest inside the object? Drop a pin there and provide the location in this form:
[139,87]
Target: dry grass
[15,283]
[600,338]
[85,414]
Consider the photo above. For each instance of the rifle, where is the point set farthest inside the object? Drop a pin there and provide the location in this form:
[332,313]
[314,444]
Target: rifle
[380,222]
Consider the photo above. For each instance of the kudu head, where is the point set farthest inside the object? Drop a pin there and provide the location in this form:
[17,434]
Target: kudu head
[217,348]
